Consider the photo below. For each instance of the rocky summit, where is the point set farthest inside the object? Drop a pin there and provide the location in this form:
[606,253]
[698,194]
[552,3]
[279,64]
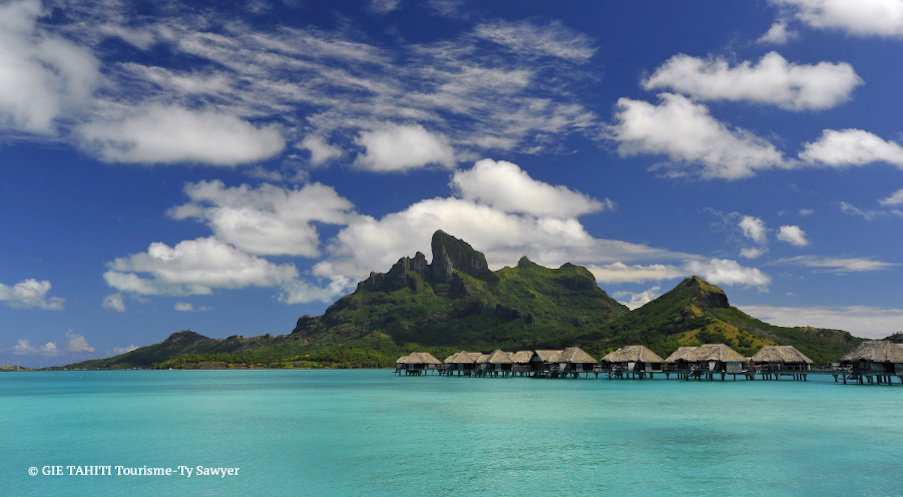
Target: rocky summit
[456,302]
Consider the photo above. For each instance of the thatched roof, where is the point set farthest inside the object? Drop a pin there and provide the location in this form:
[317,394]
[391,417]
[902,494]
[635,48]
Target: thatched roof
[418,358]
[707,352]
[483,359]
[548,355]
[463,358]
[880,351]
[575,355]
[521,356]
[633,353]
[681,353]
[780,353]
[499,357]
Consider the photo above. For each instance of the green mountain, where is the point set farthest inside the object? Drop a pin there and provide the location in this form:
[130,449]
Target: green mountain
[455,302]
[697,312]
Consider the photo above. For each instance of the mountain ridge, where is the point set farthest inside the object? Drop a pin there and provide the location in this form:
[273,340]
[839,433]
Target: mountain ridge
[455,302]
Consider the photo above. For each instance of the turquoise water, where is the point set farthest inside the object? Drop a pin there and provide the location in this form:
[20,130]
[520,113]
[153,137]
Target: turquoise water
[325,433]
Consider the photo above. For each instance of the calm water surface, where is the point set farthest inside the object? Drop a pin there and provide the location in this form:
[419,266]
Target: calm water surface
[329,433]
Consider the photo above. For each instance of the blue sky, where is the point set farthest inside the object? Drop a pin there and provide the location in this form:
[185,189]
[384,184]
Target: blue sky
[227,169]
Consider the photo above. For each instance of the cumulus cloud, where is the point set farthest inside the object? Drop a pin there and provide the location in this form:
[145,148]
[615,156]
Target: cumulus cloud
[754,229]
[554,39]
[403,147]
[31,294]
[640,299]
[166,134]
[851,147]
[882,18]
[507,187]
[114,302]
[267,220]
[895,199]
[24,347]
[302,292]
[194,267]
[778,34]
[122,350]
[862,321]
[695,142]
[716,271]
[189,307]
[728,272]
[752,252]
[772,80]
[43,77]
[837,265]
[320,150]
[793,235]
[77,343]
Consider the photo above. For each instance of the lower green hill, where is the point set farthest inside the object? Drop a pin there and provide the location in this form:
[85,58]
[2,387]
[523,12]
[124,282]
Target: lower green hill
[455,302]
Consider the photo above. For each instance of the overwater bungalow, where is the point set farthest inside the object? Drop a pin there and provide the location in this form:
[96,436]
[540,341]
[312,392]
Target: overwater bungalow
[774,361]
[574,361]
[499,363]
[544,363]
[706,360]
[521,361]
[632,360]
[417,363]
[461,363]
[873,361]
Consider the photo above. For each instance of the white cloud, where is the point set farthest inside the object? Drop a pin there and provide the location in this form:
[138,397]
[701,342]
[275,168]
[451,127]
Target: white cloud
[793,235]
[384,6]
[369,244]
[772,80]
[838,265]
[851,147]
[31,294]
[189,307]
[715,271]
[806,212]
[619,272]
[895,199]
[24,347]
[727,272]
[403,147]
[114,302]
[77,343]
[868,215]
[694,140]
[862,321]
[122,350]
[778,34]
[752,253]
[194,267]
[861,17]
[267,220]
[161,134]
[507,187]
[320,150]
[43,77]
[640,299]
[754,229]
[527,38]
[302,292]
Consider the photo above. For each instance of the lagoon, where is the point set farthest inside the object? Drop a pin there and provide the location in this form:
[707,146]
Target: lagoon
[370,432]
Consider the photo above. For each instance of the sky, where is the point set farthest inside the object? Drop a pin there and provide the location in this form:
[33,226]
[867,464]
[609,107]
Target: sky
[227,167]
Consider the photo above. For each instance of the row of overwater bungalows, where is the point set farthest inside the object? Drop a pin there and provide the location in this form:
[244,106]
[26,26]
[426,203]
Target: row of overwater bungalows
[870,361]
